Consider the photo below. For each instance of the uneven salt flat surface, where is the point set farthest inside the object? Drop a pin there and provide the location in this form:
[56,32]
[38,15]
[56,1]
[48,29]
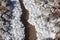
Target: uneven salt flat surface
[14,29]
[18,28]
[38,17]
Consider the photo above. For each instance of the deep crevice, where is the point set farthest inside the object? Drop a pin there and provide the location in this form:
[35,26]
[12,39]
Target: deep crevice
[30,33]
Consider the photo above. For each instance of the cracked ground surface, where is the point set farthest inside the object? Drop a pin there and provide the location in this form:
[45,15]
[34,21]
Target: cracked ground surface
[30,33]
[14,20]
[29,19]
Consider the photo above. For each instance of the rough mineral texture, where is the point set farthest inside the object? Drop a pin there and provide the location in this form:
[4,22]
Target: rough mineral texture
[45,16]
[10,26]
[29,19]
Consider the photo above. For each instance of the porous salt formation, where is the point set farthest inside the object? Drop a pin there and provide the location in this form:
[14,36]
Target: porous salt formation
[11,28]
[45,16]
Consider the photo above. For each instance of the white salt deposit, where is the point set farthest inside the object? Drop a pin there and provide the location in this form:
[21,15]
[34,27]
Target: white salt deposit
[38,14]
[18,27]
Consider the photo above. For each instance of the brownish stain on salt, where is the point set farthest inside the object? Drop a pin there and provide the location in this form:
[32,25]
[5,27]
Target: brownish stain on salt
[56,14]
[57,36]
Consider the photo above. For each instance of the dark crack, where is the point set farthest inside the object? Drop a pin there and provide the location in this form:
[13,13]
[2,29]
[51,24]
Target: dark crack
[30,33]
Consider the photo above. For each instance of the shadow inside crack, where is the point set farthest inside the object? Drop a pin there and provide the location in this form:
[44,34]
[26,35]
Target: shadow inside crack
[30,33]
